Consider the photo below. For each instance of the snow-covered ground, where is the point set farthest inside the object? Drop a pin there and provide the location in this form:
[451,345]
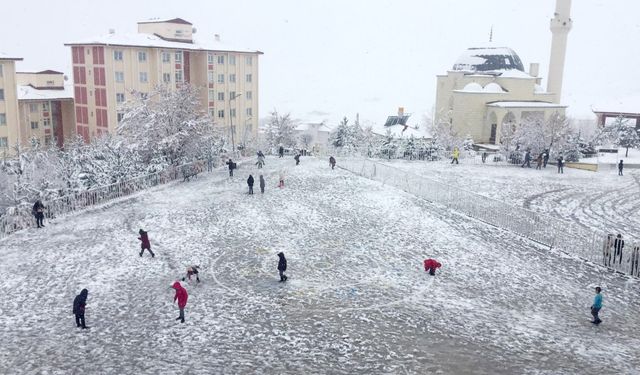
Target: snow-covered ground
[600,200]
[356,300]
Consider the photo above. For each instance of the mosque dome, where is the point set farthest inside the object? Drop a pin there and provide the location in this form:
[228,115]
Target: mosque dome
[472,87]
[493,87]
[487,59]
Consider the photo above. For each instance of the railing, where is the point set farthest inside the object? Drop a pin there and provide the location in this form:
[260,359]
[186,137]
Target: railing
[22,218]
[569,237]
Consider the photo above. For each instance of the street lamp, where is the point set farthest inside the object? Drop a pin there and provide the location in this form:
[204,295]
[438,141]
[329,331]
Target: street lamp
[233,131]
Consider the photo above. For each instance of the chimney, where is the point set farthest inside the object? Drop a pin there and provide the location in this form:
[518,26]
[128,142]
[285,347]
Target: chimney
[400,111]
[534,69]
[112,31]
[217,37]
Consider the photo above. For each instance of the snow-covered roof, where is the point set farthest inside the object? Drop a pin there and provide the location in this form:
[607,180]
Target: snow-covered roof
[321,127]
[516,104]
[149,40]
[4,56]
[488,58]
[626,105]
[166,20]
[400,131]
[31,93]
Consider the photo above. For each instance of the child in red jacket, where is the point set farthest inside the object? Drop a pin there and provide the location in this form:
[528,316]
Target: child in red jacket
[144,237]
[430,266]
[181,296]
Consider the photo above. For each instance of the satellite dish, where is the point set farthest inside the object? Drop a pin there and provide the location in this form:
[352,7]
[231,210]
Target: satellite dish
[194,30]
[65,77]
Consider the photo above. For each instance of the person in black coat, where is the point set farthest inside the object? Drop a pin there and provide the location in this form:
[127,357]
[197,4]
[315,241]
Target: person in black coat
[232,166]
[78,308]
[620,167]
[282,266]
[280,152]
[560,165]
[38,213]
[250,183]
[545,158]
[297,158]
[618,245]
[332,162]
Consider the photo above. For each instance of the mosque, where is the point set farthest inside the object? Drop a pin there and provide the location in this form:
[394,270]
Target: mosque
[488,86]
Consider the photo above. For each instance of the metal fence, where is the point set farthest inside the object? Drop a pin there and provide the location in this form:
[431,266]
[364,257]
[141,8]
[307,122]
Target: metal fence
[22,217]
[569,237]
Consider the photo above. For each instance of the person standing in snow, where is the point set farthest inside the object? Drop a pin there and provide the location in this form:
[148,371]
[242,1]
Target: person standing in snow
[606,250]
[250,183]
[281,183]
[539,162]
[38,213]
[181,296]
[297,158]
[597,305]
[79,304]
[455,155]
[620,167]
[280,151]
[262,184]
[282,266]
[430,265]
[232,166]
[332,162]
[145,244]
[560,165]
[193,270]
[618,245]
[527,159]
[545,158]
[260,162]
[634,260]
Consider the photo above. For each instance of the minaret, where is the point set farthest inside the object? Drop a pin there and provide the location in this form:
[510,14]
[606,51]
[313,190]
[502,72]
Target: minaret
[560,27]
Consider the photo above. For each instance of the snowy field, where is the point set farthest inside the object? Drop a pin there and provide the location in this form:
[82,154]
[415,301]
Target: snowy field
[601,200]
[356,301]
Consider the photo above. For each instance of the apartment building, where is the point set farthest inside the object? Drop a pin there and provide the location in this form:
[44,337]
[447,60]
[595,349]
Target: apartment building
[110,70]
[9,133]
[45,107]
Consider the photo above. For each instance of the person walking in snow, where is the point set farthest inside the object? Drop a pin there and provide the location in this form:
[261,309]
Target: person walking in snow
[282,266]
[539,162]
[332,162]
[455,155]
[232,166]
[634,260]
[430,265]
[191,271]
[38,213]
[262,184]
[280,151]
[260,162]
[606,250]
[560,165]
[144,243]
[618,245]
[181,296]
[597,305]
[250,183]
[545,158]
[620,167]
[527,159]
[79,304]
[281,183]
[297,158]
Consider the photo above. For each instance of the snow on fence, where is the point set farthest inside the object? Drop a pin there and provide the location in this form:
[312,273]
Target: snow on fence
[22,218]
[569,237]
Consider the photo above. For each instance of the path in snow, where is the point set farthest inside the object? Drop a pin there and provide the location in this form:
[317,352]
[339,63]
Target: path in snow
[356,300]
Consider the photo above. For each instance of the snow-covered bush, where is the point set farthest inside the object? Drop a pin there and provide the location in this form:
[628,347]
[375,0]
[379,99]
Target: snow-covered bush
[620,133]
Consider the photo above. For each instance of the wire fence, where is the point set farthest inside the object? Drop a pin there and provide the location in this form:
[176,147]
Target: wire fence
[621,254]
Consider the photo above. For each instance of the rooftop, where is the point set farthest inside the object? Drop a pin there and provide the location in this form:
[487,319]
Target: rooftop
[625,105]
[26,92]
[166,20]
[489,58]
[4,56]
[524,104]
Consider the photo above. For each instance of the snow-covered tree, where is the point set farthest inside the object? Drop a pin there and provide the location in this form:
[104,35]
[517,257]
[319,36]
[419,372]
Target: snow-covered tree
[443,134]
[621,134]
[572,148]
[280,130]
[388,146]
[467,143]
[306,140]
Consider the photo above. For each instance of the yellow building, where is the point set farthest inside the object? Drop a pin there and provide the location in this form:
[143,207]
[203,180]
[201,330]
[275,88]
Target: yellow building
[9,133]
[46,110]
[111,69]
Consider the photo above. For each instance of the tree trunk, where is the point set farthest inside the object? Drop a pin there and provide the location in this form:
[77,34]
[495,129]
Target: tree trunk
[626,155]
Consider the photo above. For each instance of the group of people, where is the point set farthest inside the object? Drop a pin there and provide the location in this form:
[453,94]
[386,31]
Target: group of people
[542,160]
[612,250]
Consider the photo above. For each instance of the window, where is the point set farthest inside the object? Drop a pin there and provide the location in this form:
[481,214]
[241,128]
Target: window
[166,57]
[248,60]
[46,122]
[119,76]
[232,112]
[220,78]
[50,83]
[232,77]
[221,113]
[232,95]
[4,142]
[178,76]
[210,58]
[248,95]
[166,77]
[212,112]
[34,124]
[232,60]
[221,96]
[48,141]
[142,56]
[33,107]
[212,95]
[3,119]
[119,116]
[249,78]
[143,77]
[119,97]
[210,77]
[1,73]
[45,107]
[249,112]
[179,56]
[1,94]
[221,59]
[117,55]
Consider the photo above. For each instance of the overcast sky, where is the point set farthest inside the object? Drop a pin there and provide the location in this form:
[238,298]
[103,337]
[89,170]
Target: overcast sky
[327,58]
